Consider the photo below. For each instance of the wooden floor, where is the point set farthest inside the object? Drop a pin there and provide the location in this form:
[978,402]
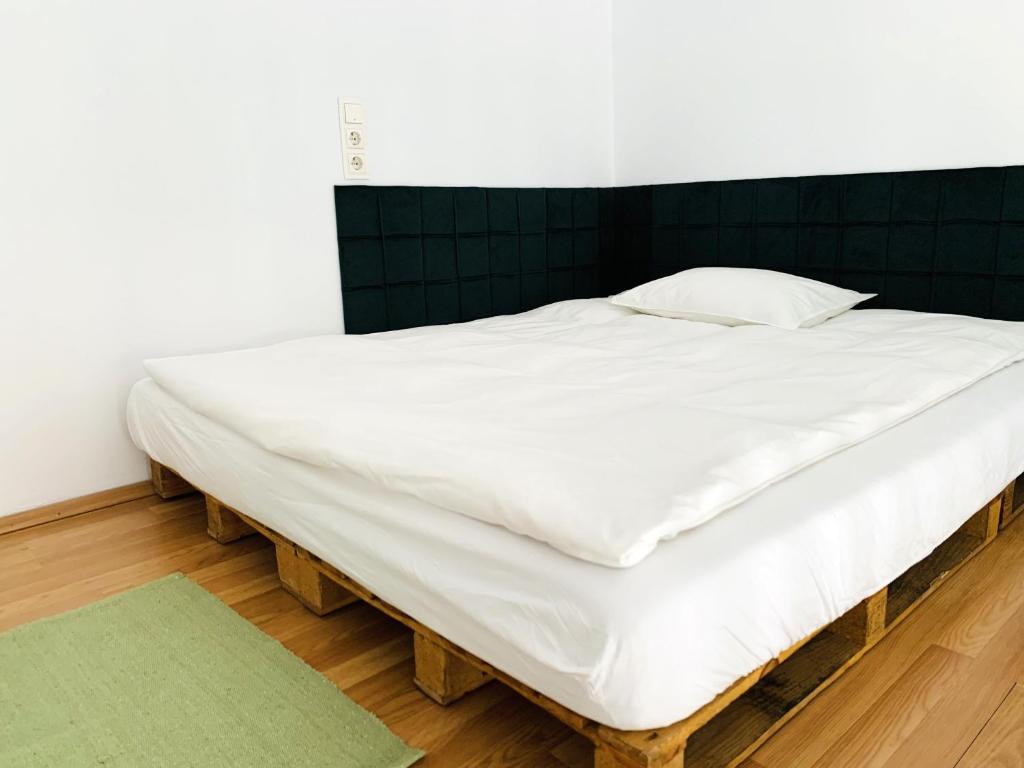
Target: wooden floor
[946,688]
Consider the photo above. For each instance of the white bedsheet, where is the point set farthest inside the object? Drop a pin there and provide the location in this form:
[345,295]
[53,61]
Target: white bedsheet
[648,645]
[585,425]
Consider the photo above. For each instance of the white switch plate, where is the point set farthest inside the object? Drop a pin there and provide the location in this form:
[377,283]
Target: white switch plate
[352,112]
[353,139]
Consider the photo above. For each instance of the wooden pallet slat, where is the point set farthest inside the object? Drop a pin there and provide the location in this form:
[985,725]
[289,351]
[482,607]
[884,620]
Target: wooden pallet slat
[918,581]
[722,733]
[749,721]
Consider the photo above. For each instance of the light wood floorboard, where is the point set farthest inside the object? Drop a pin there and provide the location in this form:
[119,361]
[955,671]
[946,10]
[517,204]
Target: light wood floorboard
[1001,743]
[944,689]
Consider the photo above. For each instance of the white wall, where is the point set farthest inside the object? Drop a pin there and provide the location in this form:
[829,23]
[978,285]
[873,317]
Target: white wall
[166,174]
[751,88]
[166,168]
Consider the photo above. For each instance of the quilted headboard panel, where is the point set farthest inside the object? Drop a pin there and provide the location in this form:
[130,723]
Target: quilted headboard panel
[940,241]
[427,255]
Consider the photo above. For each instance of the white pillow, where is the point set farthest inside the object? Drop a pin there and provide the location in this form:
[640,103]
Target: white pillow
[733,296]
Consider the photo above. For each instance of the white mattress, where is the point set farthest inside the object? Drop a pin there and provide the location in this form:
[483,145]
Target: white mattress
[649,645]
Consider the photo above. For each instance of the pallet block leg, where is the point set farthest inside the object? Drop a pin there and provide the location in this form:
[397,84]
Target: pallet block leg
[308,585]
[606,758]
[985,523]
[167,484]
[995,516]
[865,622]
[223,524]
[441,675]
[1009,504]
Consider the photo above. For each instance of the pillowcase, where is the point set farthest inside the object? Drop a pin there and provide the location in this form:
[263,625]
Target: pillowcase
[735,296]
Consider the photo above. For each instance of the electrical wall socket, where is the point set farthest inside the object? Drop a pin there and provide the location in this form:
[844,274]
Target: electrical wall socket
[355,165]
[355,138]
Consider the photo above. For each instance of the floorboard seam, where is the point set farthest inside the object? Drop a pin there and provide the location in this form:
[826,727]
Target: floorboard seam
[984,726]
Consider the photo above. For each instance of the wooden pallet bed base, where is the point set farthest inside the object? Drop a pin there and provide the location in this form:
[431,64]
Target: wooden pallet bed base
[724,732]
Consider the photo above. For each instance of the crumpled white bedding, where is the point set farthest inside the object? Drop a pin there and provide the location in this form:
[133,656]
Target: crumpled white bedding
[585,425]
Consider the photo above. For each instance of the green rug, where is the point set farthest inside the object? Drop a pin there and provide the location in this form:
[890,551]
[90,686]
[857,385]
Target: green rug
[167,675]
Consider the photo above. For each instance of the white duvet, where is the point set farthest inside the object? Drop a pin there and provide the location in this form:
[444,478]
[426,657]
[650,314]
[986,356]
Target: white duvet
[593,428]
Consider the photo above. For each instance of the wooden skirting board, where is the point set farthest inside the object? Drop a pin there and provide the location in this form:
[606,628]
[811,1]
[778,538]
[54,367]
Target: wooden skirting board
[72,507]
[164,482]
[722,733]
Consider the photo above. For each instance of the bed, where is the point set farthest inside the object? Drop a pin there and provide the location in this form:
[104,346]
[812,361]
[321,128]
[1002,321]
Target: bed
[643,647]
[697,648]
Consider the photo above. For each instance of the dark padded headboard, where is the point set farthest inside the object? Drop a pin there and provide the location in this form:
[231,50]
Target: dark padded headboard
[939,241]
[428,255]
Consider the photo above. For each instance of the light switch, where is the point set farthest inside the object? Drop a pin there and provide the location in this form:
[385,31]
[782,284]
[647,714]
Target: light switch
[354,113]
